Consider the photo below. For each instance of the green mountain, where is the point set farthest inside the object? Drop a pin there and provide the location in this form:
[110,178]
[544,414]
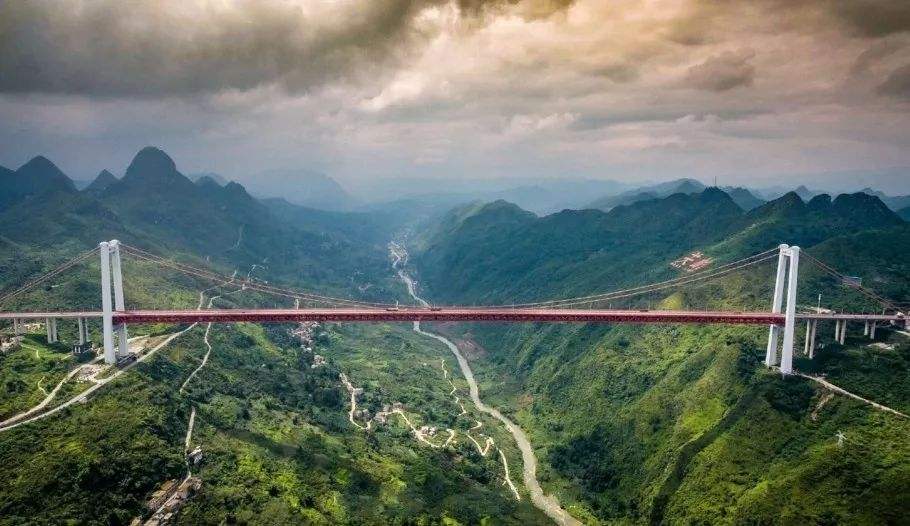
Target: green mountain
[499,251]
[744,198]
[682,424]
[904,213]
[231,228]
[271,417]
[216,178]
[305,188]
[101,183]
[645,193]
[35,178]
[894,202]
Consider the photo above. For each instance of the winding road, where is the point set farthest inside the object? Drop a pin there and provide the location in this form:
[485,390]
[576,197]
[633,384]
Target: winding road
[546,503]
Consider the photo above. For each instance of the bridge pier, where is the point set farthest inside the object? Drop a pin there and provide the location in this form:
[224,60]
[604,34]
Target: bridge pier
[866,328]
[809,348]
[16,328]
[80,328]
[842,337]
[50,325]
[872,330]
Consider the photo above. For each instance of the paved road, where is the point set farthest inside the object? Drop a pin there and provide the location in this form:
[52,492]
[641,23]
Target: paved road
[546,503]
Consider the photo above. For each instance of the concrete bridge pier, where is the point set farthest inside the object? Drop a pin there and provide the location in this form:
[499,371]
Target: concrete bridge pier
[50,324]
[866,328]
[872,330]
[16,328]
[809,349]
[842,337]
[82,330]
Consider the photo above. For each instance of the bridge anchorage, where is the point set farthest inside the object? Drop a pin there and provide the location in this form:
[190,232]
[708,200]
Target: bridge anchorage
[781,319]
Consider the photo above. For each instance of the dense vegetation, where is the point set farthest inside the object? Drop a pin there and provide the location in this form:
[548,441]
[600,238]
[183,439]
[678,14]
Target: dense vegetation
[277,442]
[683,425]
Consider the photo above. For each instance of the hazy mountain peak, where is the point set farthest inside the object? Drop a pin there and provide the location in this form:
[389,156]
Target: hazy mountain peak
[861,204]
[151,161]
[207,180]
[41,166]
[791,198]
[714,193]
[217,178]
[303,187]
[101,182]
[41,174]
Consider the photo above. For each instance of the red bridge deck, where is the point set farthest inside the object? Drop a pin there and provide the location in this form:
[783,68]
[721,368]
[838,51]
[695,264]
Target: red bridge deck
[406,314]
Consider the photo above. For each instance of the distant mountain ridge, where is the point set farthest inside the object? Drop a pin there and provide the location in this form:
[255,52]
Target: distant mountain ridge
[101,182]
[644,193]
[895,203]
[37,177]
[459,259]
[214,177]
[303,187]
[156,205]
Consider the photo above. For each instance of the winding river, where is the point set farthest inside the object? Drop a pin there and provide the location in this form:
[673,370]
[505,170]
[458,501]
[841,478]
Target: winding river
[546,503]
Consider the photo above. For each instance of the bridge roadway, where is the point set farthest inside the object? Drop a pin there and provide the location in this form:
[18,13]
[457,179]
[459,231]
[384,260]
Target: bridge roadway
[464,314]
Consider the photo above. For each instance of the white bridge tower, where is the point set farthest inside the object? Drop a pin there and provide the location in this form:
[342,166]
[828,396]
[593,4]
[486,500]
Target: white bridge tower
[787,257]
[111,269]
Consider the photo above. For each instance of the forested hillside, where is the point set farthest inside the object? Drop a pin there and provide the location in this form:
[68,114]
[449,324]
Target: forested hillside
[271,410]
[683,424]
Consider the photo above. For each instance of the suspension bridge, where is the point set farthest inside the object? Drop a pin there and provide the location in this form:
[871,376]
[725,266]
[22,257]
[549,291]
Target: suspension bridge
[782,318]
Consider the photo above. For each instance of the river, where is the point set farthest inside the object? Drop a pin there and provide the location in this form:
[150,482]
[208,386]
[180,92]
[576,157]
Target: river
[546,503]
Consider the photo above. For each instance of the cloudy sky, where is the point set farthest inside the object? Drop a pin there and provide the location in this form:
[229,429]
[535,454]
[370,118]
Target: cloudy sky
[747,91]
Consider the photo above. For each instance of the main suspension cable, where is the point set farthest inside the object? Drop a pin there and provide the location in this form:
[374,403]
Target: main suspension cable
[667,285]
[48,275]
[850,282]
[634,291]
[248,283]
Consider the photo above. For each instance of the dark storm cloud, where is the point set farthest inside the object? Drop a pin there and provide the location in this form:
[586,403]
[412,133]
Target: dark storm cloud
[722,72]
[897,84]
[117,48]
[111,47]
[873,18]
